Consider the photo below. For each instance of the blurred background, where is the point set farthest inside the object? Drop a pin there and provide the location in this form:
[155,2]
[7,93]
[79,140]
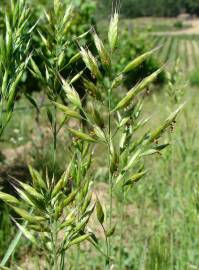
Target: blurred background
[162,216]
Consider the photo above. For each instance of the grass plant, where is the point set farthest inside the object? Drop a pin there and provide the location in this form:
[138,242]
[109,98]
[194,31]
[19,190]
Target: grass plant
[54,213]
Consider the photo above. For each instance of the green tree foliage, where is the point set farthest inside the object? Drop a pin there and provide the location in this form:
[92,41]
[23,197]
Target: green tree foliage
[167,8]
[192,6]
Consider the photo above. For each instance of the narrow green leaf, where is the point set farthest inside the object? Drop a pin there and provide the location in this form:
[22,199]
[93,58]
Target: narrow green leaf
[50,116]
[26,233]
[100,212]
[13,244]
[32,101]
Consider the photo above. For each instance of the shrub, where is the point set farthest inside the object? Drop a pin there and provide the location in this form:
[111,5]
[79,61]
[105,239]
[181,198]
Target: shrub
[178,24]
[194,77]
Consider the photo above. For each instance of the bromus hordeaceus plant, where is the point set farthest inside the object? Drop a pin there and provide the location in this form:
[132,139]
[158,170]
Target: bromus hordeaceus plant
[60,210]
[112,118]
[57,34]
[14,49]
[67,192]
[52,50]
[15,39]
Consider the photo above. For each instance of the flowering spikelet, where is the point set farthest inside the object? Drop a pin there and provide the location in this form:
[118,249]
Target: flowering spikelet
[90,62]
[113,30]
[101,50]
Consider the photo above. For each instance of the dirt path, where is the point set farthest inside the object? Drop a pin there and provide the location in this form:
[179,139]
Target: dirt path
[193,30]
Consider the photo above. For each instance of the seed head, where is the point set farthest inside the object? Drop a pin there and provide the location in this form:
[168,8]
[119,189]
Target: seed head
[90,62]
[101,50]
[113,30]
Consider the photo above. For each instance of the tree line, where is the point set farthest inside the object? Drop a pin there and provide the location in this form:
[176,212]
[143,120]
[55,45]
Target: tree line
[161,8]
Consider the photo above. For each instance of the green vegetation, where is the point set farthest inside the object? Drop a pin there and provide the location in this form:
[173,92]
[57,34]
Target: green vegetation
[182,47]
[157,8]
[194,77]
[92,176]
